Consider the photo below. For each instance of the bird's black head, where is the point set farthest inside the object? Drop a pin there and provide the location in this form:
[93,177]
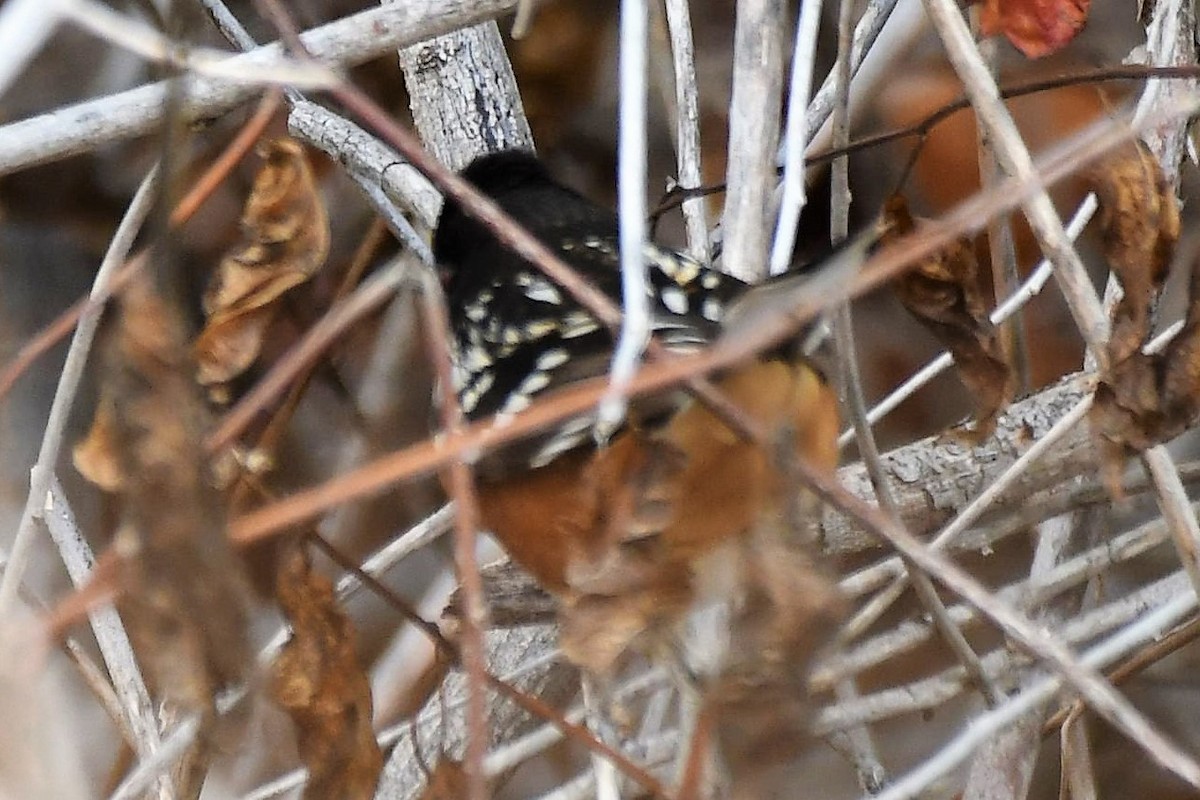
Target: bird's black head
[497,173]
[522,186]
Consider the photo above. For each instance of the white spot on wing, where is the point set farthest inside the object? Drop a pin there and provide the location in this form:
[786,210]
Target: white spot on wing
[533,384]
[712,309]
[552,358]
[539,328]
[476,358]
[513,405]
[567,437]
[459,376]
[476,311]
[678,267]
[675,300]
[603,246]
[578,323]
[540,291]
[469,399]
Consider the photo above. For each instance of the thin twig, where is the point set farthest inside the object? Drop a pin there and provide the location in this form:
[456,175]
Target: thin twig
[25,25]
[1002,250]
[346,42]
[1082,678]
[1013,157]
[870,25]
[1001,663]
[753,137]
[1013,752]
[859,743]
[365,300]
[987,724]
[804,53]
[687,125]
[147,42]
[631,207]
[136,706]
[42,473]
[466,529]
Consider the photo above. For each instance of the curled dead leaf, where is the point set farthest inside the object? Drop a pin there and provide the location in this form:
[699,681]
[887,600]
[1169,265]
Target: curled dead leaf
[1142,400]
[1139,223]
[96,457]
[1149,399]
[944,292]
[1035,27]
[318,680]
[285,242]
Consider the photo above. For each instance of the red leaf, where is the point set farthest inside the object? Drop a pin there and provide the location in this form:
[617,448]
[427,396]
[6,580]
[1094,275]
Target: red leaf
[1035,27]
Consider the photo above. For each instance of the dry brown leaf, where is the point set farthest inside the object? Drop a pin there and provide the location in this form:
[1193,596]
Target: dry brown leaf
[945,294]
[1149,399]
[690,540]
[319,682]
[183,598]
[286,240]
[1142,400]
[626,581]
[1139,220]
[1035,27]
[96,456]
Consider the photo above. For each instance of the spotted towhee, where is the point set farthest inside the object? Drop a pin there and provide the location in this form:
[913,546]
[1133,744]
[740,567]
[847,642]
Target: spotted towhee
[645,519]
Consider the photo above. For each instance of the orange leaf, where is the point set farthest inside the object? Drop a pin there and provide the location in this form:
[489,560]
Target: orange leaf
[1035,27]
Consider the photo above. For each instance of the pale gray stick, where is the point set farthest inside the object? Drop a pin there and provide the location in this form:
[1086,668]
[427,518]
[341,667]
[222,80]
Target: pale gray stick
[25,25]
[753,137]
[631,211]
[931,692]
[136,705]
[687,126]
[795,143]
[985,725]
[42,472]
[1003,768]
[346,42]
[1013,157]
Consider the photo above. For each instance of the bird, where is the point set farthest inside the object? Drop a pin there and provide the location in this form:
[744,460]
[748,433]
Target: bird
[634,532]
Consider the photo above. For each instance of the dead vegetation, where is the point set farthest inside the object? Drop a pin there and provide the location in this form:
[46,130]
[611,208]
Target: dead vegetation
[1003,608]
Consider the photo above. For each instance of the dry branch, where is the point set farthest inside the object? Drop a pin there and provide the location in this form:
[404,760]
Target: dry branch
[346,42]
